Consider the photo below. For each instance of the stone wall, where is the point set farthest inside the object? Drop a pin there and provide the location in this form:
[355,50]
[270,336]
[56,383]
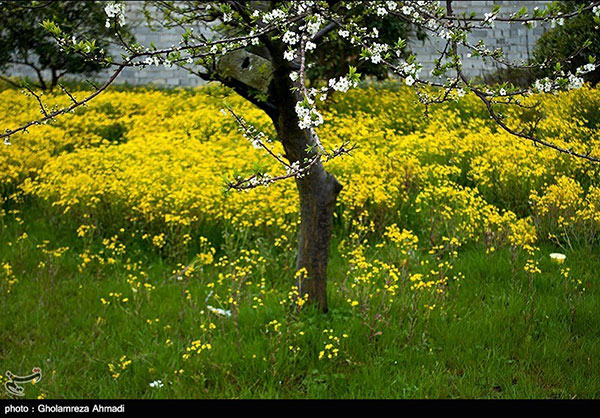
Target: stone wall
[514,39]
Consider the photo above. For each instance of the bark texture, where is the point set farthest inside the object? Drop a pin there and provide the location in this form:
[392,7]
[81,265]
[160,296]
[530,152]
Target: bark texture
[318,194]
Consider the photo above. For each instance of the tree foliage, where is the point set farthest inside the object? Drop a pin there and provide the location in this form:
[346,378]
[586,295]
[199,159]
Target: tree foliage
[338,54]
[558,43]
[24,41]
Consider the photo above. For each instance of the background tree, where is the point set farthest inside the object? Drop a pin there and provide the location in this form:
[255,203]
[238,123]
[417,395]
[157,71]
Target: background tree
[557,45]
[23,40]
[558,42]
[264,51]
[337,54]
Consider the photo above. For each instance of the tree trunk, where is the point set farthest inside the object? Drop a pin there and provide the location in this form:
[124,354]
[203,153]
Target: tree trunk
[54,79]
[318,191]
[318,194]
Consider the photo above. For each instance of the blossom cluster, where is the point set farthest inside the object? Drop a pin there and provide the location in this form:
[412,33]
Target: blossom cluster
[115,10]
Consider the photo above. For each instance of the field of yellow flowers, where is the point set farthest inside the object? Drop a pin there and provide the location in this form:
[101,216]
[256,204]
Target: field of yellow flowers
[128,270]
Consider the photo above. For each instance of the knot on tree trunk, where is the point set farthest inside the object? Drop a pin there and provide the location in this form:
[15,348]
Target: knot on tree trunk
[247,68]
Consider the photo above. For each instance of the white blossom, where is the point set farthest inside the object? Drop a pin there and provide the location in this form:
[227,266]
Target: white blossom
[115,9]
[293,168]
[313,26]
[273,15]
[219,311]
[575,82]
[587,68]
[376,50]
[543,85]
[290,38]
[489,19]
[152,61]
[289,55]
[156,384]
[391,5]
[307,116]
[343,84]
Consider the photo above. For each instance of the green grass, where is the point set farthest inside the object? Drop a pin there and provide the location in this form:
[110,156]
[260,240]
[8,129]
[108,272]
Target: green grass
[484,342]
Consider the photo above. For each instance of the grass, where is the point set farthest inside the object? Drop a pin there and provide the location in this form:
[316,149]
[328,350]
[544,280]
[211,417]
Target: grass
[495,331]
[496,336]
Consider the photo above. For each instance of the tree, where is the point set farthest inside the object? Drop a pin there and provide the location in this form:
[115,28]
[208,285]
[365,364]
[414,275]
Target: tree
[583,29]
[336,54]
[264,51]
[23,40]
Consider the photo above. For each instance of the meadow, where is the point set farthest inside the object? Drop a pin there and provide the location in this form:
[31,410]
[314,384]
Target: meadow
[127,270]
